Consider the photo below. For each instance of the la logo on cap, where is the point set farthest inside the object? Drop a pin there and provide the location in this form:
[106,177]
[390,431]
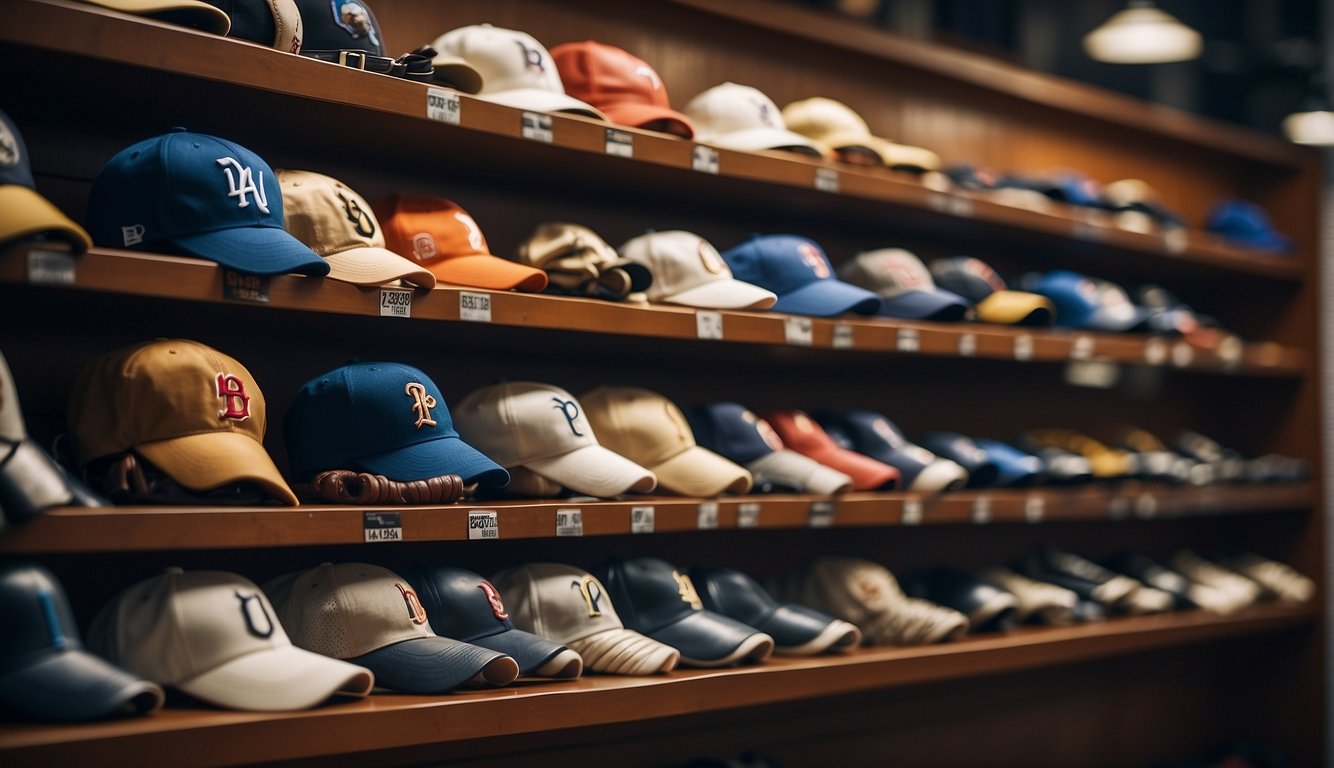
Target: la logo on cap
[242,184]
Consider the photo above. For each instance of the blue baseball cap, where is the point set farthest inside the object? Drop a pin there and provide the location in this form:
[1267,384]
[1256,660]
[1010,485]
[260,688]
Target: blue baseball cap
[1245,223]
[385,418]
[734,431]
[982,469]
[1015,468]
[203,195]
[799,272]
[1088,303]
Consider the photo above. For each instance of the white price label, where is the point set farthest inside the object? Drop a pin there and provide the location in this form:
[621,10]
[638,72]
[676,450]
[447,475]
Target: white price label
[1176,241]
[483,524]
[1082,349]
[620,143]
[536,126]
[1023,347]
[967,345]
[707,516]
[822,514]
[960,206]
[797,331]
[842,337]
[704,159]
[382,526]
[642,519]
[1182,354]
[395,302]
[912,512]
[1035,508]
[826,179]
[569,522]
[442,105]
[908,340]
[1118,508]
[982,510]
[748,515]
[50,267]
[1146,506]
[475,307]
[708,324]
[938,201]
[1155,351]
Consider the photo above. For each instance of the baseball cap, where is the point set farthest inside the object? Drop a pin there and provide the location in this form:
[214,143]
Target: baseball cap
[1244,223]
[976,281]
[872,434]
[544,428]
[467,607]
[380,417]
[441,236]
[185,13]
[339,225]
[340,25]
[836,127]
[580,262]
[517,71]
[47,673]
[215,636]
[796,629]
[1014,468]
[689,271]
[655,598]
[195,413]
[622,85]
[1087,303]
[797,270]
[962,450]
[23,211]
[802,434]
[650,430]
[569,605]
[904,285]
[737,433]
[207,196]
[734,116]
[371,616]
[271,23]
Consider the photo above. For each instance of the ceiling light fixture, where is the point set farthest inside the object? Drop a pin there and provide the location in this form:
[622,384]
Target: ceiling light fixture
[1142,34]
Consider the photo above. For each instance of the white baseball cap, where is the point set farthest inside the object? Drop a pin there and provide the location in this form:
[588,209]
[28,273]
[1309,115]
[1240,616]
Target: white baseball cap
[740,117]
[689,271]
[517,71]
[835,126]
[215,636]
[543,427]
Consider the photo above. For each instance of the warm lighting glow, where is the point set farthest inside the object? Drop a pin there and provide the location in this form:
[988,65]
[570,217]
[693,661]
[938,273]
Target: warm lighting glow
[1142,34]
[1315,128]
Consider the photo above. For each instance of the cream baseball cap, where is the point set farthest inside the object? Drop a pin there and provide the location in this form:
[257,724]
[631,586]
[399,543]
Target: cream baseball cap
[735,116]
[12,428]
[544,428]
[867,594]
[688,270]
[569,605]
[215,636]
[651,430]
[186,13]
[835,126]
[338,224]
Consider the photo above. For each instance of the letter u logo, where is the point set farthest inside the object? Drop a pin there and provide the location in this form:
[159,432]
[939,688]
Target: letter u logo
[257,619]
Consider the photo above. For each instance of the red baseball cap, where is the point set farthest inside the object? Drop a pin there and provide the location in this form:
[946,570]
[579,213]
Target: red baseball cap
[442,237]
[622,85]
[802,434]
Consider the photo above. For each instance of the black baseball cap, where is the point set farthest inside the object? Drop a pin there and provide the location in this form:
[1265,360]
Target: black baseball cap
[340,25]
[796,629]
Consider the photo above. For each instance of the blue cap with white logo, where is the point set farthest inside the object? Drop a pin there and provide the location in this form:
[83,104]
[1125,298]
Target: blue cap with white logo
[385,418]
[799,272]
[202,195]
[1088,303]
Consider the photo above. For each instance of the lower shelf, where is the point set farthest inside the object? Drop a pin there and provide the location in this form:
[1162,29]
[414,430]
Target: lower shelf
[386,721]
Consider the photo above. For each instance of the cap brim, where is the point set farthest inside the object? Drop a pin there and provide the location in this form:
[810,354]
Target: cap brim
[937,304]
[257,250]
[376,266]
[482,270]
[186,13]
[625,652]
[208,460]
[724,294]
[794,470]
[596,471]
[432,665]
[538,100]
[25,213]
[432,458]
[939,475]
[828,298]
[705,638]
[697,471]
[753,139]
[1016,308]
[457,73]
[529,650]
[278,679]
[74,685]
[795,626]
[906,156]
[638,115]
[1116,322]
[867,473]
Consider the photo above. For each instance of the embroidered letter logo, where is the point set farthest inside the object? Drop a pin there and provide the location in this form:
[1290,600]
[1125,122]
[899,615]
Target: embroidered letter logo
[359,218]
[232,391]
[814,259]
[422,403]
[591,591]
[532,58]
[570,410]
[648,74]
[416,611]
[423,246]
[252,610]
[493,597]
[243,183]
[474,232]
[686,588]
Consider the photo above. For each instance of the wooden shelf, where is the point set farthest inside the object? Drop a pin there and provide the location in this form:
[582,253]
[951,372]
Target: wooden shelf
[387,721]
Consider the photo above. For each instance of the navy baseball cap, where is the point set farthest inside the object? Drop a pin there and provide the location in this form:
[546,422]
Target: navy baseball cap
[799,272]
[23,211]
[340,25]
[1245,223]
[1088,303]
[47,674]
[982,470]
[976,281]
[385,418]
[1014,468]
[796,629]
[463,605]
[872,434]
[655,599]
[206,196]
[732,430]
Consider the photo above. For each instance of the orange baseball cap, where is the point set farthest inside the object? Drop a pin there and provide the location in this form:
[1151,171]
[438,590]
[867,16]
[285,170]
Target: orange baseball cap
[622,85]
[802,434]
[442,237]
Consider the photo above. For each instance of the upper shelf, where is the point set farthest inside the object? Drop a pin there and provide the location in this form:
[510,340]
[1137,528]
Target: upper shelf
[50,48]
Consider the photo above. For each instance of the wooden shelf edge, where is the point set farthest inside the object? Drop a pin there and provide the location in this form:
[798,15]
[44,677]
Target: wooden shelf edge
[388,721]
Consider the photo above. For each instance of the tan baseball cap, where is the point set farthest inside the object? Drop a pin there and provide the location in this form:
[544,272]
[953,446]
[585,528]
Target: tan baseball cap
[835,126]
[867,594]
[338,224]
[544,428]
[215,636]
[651,430]
[569,605]
[195,413]
[688,270]
[577,260]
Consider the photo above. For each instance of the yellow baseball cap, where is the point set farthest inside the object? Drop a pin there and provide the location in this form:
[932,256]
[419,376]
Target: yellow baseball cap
[23,211]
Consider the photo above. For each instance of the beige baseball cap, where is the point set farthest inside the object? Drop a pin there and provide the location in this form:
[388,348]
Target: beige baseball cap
[215,636]
[338,224]
[12,428]
[569,605]
[186,13]
[867,594]
[651,430]
[735,116]
[688,270]
[195,413]
[835,126]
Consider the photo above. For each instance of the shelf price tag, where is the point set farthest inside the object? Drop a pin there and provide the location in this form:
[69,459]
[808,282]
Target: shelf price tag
[1146,506]
[706,518]
[982,510]
[1155,351]
[395,302]
[912,512]
[797,331]
[569,522]
[908,340]
[239,286]
[959,206]
[620,143]
[1118,508]
[382,526]
[708,324]
[826,179]
[50,267]
[1176,241]
[748,515]
[1230,352]
[704,159]
[442,105]
[822,514]
[842,337]
[483,525]
[537,127]
[475,307]
[1035,508]
[1023,347]
[1182,354]
[1082,349]
[642,519]
[968,345]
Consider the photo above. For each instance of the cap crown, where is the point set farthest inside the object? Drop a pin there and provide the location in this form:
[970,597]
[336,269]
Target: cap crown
[604,75]
[639,424]
[679,261]
[520,421]
[651,593]
[730,107]
[326,215]
[462,604]
[821,118]
[11,415]
[558,601]
[781,263]
[349,609]
[889,272]
[506,58]
[733,431]
[340,25]
[856,589]
[429,229]
[14,165]
[971,278]
[800,432]
[35,613]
